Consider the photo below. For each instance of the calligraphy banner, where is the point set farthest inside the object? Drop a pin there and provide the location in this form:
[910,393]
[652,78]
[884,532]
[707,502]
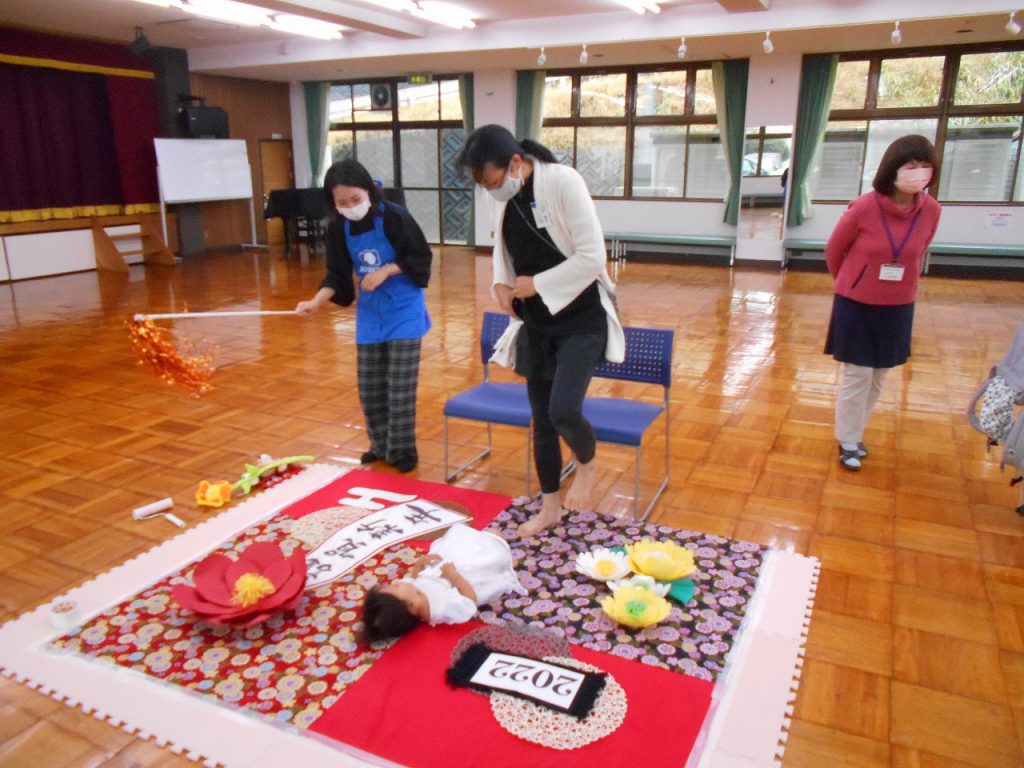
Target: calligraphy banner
[362,539]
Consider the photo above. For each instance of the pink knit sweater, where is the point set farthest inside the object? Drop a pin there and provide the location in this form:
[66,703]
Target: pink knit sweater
[859,247]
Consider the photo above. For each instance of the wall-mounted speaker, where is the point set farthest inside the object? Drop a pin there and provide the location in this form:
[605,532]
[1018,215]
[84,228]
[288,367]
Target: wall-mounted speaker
[380,96]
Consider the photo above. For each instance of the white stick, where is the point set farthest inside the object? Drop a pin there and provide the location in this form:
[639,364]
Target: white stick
[141,513]
[185,315]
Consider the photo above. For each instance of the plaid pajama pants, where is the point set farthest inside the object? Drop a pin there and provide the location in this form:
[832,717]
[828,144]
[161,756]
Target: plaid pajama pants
[388,374]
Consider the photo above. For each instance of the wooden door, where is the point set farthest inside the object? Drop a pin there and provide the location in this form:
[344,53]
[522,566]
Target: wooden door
[278,172]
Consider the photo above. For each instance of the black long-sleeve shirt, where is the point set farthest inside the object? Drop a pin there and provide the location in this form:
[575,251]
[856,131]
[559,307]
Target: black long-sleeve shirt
[412,252]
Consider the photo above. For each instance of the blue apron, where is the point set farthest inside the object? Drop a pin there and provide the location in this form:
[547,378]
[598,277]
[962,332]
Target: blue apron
[395,310]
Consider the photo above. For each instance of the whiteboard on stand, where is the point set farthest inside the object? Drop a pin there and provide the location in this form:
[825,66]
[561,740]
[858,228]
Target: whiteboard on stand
[203,170]
[200,170]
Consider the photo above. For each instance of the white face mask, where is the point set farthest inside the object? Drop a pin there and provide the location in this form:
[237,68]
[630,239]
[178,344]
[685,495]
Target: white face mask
[355,213]
[913,180]
[509,187]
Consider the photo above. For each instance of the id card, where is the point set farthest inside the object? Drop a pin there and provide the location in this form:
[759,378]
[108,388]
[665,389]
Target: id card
[540,215]
[891,272]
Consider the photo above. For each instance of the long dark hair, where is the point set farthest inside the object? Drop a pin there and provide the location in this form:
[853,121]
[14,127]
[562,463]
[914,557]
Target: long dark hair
[385,617]
[351,173]
[898,154]
[496,145]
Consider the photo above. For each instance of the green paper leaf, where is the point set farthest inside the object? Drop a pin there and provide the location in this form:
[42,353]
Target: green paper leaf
[682,590]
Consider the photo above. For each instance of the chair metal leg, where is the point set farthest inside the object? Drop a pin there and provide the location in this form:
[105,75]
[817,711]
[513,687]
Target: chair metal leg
[664,481]
[483,454]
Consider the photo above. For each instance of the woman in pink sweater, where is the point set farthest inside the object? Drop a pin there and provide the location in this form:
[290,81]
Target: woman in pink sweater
[875,256]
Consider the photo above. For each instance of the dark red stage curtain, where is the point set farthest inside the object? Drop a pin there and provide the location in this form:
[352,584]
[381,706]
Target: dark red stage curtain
[133,114]
[56,140]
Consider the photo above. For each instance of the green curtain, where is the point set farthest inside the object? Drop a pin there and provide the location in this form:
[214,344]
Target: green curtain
[817,79]
[729,79]
[529,103]
[466,99]
[318,96]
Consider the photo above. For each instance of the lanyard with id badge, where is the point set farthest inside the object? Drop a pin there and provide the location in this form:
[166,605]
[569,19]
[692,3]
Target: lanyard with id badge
[893,272]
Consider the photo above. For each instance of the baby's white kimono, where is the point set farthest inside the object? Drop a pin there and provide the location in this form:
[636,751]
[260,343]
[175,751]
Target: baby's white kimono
[483,559]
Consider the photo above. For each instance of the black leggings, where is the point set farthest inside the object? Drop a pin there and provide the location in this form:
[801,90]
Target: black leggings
[557,406]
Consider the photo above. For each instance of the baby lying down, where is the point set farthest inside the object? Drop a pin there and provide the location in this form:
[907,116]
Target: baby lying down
[464,569]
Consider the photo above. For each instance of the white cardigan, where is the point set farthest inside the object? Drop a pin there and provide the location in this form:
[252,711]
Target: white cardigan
[562,194]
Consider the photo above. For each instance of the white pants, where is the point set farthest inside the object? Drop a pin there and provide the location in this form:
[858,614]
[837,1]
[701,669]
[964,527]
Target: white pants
[859,388]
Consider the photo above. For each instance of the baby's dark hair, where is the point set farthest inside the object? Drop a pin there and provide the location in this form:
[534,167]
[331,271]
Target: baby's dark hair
[385,617]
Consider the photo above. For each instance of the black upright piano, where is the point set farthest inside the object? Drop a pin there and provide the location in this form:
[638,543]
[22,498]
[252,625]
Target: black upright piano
[304,211]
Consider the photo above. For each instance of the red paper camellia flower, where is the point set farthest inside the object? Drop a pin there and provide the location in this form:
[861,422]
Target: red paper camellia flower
[246,591]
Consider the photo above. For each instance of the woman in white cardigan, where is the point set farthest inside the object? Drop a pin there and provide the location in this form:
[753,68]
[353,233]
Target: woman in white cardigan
[549,272]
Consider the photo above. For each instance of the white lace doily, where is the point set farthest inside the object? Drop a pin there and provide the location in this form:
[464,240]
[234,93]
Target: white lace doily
[557,730]
[316,527]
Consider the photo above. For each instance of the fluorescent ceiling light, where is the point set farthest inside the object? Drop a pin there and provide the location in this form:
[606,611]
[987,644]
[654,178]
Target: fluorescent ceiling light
[251,16]
[229,11]
[639,6]
[303,25]
[394,5]
[443,13]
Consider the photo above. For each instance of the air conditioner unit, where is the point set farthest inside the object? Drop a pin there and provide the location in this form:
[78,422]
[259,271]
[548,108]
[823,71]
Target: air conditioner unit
[380,96]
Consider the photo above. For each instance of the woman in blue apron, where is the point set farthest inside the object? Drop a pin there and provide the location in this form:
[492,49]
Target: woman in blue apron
[378,246]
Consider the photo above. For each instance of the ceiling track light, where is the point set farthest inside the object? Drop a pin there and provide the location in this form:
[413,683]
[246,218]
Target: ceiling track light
[584,56]
[897,35]
[681,50]
[1013,26]
[542,57]
[768,45]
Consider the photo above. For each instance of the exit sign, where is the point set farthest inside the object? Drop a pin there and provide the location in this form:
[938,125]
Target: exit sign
[420,78]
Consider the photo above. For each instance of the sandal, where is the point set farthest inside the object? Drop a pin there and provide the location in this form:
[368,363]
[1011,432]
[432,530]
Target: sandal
[849,459]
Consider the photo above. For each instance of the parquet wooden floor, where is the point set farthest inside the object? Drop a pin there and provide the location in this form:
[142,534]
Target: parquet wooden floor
[915,657]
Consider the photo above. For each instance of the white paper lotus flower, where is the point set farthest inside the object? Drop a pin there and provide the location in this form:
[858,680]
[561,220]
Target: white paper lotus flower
[640,581]
[603,564]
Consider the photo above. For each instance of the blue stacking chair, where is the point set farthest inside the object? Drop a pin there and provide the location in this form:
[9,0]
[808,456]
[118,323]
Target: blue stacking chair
[490,402]
[622,421]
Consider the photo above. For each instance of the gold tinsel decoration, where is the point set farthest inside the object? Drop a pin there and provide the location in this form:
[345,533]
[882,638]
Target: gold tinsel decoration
[155,348]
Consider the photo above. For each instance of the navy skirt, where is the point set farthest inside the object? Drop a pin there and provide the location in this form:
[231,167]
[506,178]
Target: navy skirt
[872,335]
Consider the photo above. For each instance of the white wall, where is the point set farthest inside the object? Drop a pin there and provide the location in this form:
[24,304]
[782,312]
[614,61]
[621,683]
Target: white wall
[494,101]
[968,224]
[663,218]
[773,88]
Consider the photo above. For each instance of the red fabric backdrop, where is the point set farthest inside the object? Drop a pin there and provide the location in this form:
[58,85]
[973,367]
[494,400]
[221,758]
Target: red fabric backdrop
[73,138]
[402,709]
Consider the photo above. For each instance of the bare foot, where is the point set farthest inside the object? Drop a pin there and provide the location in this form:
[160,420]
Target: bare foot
[549,516]
[578,496]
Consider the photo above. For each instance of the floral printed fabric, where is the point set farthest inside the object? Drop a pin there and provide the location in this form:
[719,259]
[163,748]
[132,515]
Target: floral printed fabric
[291,667]
[695,639]
[294,666]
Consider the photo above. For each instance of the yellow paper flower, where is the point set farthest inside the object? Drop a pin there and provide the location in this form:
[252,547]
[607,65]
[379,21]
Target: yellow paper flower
[603,564]
[635,606]
[213,494]
[663,560]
